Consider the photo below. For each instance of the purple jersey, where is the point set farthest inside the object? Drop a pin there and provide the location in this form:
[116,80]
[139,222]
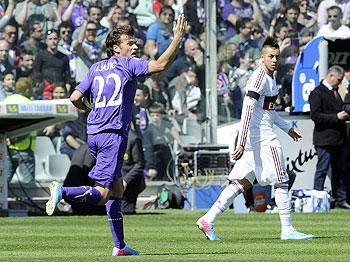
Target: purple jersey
[112,85]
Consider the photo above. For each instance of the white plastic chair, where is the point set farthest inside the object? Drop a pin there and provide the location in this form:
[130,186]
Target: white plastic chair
[57,166]
[43,148]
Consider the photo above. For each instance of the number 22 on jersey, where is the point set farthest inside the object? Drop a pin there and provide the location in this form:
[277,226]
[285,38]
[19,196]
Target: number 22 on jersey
[116,98]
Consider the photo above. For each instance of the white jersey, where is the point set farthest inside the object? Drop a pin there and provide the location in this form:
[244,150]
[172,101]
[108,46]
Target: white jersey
[258,114]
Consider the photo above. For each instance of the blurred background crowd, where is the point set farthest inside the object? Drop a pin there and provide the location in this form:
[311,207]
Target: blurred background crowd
[47,47]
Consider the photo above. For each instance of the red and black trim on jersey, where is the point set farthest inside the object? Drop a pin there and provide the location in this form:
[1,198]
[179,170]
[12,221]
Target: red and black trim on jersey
[259,79]
[246,124]
[269,101]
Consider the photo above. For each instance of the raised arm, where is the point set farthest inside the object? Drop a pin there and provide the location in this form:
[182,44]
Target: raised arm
[166,58]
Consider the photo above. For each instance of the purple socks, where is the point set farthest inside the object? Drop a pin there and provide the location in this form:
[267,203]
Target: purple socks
[85,194]
[115,218]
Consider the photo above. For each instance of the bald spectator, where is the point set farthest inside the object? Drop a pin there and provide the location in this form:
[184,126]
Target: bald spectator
[193,58]
[322,13]
[5,66]
[334,29]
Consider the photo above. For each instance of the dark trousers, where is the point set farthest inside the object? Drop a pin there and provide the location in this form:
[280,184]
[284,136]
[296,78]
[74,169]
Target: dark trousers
[334,156]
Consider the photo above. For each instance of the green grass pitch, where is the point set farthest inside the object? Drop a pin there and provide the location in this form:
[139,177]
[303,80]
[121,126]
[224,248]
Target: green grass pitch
[171,235]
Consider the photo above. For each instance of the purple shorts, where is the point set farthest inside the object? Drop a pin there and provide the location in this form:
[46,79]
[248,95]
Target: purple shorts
[108,148]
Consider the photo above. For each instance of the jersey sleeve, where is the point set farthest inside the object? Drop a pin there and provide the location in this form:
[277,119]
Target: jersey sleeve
[256,82]
[248,106]
[85,85]
[138,67]
[281,123]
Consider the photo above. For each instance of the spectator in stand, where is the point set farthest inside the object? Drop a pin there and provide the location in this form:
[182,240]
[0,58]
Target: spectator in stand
[243,39]
[159,34]
[195,13]
[10,35]
[73,134]
[144,14]
[258,35]
[112,18]
[25,67]
[240,9]
[334,29]
[87,51]
[95,14]
[157,90]
[24,87]
[123,5]
[35,36]
[29,11]
[52,66]
[185,95]
[132,171]
[62,5]
[20,150]
[162,134]
[193,58]
[5,16]
[141,119]
[5,66]
[65,30]
[307,17]
[75,13]
[269,9]
[7,87]
[53,131]
[140,110]
[322,13]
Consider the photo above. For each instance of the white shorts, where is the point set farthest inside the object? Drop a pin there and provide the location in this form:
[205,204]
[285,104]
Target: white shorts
[266,164]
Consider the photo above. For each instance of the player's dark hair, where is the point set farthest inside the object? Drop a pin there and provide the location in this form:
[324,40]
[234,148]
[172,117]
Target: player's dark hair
[270,42]
[114,37]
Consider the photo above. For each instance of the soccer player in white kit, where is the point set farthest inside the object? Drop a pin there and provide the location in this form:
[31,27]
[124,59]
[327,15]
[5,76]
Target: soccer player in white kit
[263,156]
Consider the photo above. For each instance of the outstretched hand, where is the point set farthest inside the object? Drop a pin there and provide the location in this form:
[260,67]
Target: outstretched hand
[179,27]
[293,133]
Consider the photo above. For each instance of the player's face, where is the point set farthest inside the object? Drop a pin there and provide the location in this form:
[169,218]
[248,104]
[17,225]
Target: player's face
[270,58]
[127,47]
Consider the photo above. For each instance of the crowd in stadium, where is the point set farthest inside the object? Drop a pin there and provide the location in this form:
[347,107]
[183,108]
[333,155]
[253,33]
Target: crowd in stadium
[47,47]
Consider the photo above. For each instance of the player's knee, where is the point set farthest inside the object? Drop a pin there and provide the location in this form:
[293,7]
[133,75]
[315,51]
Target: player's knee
[105,194]
[243,182]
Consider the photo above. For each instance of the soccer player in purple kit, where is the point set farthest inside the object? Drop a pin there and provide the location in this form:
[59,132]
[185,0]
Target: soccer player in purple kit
[112,84]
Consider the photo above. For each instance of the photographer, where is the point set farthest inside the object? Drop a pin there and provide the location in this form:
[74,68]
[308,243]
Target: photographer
[329,135]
